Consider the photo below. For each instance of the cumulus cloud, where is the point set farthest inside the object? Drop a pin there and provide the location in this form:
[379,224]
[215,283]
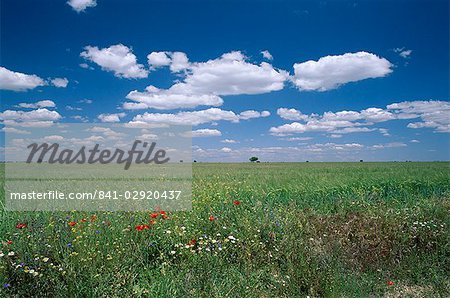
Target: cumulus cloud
[118,59]
[192,118]
[291,114]
[266,54]
[111,117]
[330,72]
[232,74]
[158,59]
[16,81]
[229,141]
[179,61]
[434,114]
[199,133]
[39,104]
[35,118]
[210,115]
[204,82]
[81,5]
[253,114]
[166,99]
[59,82]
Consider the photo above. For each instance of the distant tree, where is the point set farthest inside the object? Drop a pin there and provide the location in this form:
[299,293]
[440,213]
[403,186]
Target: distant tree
[361,160]
[307,161]
[253,158]
[195,160]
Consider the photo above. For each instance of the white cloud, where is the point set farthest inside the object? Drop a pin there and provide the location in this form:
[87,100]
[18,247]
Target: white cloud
[81,5]
[414,141]
[404,53]
[205,133]
[60,82]
[166,99]
[295,139]
[85,66]
[179,61]
[292,114]
[111,117]
[204,82]
[195,117]
[389,145]
[231,74]
[158,59]
[330,72]
[226,150]
[266,54]
[16,81]
[35,118]
[39,104]
[14,130]
[118,59]
[229,141]
[86,101]
[434,114]
[192,118]
[253,114]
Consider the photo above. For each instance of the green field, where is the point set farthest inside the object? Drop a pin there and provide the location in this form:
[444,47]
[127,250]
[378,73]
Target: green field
[300,229]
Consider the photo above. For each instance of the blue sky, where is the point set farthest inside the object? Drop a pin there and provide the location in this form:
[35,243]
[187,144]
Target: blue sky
[380,67]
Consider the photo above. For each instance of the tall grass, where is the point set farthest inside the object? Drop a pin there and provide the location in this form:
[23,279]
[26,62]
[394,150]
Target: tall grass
[317,229]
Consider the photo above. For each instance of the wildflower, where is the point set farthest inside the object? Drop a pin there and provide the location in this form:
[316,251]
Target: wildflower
[193,242]
[1,254]
[390,283]
[69,244]
[152,222]
[163,214]
[142,227]
[72,223]
[21,226]
[9,242]
[236,202]
[154,215]
[212,218]
[83,220]
[45,260]
[173,252]
[11,253]
[5,286]
[93,218]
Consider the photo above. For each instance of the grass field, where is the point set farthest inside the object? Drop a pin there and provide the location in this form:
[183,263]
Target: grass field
[256,230]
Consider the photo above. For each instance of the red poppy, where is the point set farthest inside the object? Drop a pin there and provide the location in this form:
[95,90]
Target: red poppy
[93,217]
[236,202]
[21,226]
[390,283]
[83,220]
[152,222]
[212,218]
[193,242]
[154,215]
[72,223]
[9,242]
[163,214]
[142,227]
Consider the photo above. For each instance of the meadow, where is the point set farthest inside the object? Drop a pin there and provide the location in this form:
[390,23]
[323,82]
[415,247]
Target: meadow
[256,230]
